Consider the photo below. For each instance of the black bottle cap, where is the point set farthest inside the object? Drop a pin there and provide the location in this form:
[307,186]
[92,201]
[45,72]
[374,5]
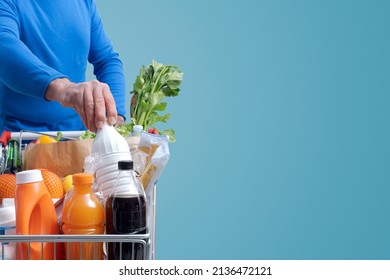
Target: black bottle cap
[125,165]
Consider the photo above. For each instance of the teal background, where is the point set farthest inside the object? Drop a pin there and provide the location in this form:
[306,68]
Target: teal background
[282,125]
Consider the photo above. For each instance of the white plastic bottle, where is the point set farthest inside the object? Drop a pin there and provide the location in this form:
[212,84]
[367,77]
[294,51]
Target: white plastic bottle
[134,137]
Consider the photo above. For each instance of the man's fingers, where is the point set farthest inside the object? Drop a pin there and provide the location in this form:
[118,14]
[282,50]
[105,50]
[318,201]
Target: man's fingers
[89,107]
[109,105]
[99,105]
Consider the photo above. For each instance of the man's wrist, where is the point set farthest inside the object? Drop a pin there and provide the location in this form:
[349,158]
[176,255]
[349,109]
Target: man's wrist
[56,88]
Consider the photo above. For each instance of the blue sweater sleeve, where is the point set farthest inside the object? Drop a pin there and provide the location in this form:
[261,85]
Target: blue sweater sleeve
[24,72]
[108,67]
[20,69]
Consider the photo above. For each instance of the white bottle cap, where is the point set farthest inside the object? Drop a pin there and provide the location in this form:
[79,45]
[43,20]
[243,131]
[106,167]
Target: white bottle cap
[28,176]
[138,127]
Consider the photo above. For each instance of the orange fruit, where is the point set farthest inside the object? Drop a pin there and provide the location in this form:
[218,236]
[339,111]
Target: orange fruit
[7,186]
[44,139]
[53,183]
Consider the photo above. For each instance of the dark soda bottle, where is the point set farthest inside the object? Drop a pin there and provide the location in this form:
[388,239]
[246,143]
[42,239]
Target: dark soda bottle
[126,211]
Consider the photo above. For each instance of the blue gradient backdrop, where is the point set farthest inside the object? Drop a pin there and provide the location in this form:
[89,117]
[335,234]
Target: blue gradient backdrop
[282,123]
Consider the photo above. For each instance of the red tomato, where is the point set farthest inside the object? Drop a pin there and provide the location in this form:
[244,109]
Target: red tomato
[153,130]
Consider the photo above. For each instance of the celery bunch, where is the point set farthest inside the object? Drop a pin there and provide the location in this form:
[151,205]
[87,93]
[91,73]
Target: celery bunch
[154,82]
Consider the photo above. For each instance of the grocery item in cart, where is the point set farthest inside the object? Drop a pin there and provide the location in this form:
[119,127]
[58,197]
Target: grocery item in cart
[7,186]
[156,149]
[35,215]
[108,148]
[13,160]
[7,250]
[134,137]
[7,226]
[107,171]
[126,214]
[108,140]
[82,213]
[4,138]
[62,158]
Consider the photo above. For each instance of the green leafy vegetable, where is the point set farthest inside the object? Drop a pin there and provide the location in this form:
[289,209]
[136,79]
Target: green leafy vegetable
[87,135]
[59,136]
[154,82]
[123,130]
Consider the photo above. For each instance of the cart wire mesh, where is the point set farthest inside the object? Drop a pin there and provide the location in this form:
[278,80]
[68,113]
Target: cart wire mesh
[147,240]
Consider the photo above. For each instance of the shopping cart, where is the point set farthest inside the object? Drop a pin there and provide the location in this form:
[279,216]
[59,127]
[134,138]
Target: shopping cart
[10,241]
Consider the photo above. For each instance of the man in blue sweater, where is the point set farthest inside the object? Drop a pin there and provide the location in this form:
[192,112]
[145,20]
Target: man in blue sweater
[44,49]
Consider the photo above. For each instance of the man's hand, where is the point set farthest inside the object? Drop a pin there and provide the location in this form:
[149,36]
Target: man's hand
[92,100]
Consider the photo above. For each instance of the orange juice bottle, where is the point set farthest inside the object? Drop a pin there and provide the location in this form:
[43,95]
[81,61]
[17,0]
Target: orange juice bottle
[83,213]
[35,215]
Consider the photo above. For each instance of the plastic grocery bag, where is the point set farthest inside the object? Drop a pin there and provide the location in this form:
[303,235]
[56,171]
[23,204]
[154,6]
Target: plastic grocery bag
[63,158]
[151,158]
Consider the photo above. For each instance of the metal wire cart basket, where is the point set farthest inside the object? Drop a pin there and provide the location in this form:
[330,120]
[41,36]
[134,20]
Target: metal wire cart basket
[148,239]
[9,241]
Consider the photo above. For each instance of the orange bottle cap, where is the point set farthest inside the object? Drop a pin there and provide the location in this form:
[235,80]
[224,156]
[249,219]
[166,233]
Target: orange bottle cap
[28,176]
[82,178]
